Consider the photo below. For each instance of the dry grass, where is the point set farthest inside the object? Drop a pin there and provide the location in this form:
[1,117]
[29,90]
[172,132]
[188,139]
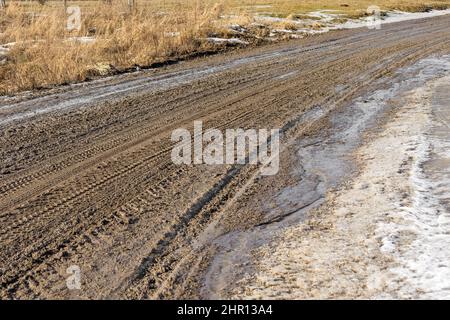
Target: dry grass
[45,52]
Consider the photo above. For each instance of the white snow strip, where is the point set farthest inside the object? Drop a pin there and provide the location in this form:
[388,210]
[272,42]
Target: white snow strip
[223,40]
[423,268]
[392,16]
[326,17]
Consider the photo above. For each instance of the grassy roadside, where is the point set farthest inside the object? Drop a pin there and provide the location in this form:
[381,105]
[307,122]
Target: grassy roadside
[38,50]
[45,52]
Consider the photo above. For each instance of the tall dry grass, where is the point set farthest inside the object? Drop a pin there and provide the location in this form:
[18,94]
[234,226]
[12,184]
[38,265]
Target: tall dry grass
[46,53]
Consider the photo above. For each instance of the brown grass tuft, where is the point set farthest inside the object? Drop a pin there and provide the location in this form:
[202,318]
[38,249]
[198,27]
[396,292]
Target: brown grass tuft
[45,53]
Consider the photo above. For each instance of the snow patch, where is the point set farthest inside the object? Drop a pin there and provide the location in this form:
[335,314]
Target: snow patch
[392,17]
[418,234]
[323,21]
[233,41]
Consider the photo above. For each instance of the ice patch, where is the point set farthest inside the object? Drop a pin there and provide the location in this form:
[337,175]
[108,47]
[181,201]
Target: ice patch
[424,259]
[325,15]
[392,17]
[323,21]
[233,41]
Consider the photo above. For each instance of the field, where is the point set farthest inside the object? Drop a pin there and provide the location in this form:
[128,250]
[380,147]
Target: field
[38,49]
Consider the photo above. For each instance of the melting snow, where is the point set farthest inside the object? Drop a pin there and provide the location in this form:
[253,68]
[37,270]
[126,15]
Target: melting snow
[322,21]
[224,40]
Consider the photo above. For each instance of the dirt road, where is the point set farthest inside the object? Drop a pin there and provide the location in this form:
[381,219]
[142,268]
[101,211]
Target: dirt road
[87,179]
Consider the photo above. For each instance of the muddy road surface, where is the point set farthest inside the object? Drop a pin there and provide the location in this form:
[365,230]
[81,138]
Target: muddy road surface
[87,182]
